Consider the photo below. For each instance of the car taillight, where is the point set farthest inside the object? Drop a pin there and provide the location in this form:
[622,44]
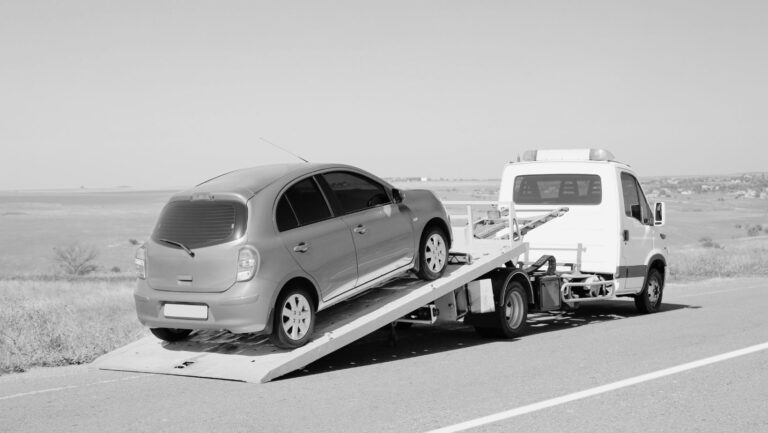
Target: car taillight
[246,264]
[141,262]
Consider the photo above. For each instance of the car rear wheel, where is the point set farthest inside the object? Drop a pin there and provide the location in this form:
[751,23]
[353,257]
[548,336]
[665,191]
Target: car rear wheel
[433,254]
[294,318]
[170,334]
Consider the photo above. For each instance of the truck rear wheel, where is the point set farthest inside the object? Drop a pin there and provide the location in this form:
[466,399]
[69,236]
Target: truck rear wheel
[649,299]
[511,314]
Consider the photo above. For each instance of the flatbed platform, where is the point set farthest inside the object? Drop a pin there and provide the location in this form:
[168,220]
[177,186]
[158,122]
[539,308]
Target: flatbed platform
[247,358]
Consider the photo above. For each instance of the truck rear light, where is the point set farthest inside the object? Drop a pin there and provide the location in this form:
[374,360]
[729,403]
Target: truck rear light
[247,264]
[141,262]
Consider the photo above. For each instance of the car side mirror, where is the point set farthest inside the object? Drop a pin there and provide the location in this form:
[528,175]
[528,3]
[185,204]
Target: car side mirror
[636,212]
[397,195]
[659,213]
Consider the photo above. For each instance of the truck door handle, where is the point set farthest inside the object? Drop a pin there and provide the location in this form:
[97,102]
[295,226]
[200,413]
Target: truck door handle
[360,229]
[626,235]
[301,248]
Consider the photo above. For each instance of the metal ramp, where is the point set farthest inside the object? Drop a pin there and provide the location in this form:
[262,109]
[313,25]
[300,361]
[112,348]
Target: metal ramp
[222,355]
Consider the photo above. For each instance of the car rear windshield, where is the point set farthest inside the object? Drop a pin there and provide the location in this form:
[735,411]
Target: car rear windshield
[198,224]
[559,189]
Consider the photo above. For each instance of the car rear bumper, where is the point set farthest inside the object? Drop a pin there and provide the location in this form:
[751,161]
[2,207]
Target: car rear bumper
[244,308]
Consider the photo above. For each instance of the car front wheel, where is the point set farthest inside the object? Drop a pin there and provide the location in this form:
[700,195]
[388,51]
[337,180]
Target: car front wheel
[433,254]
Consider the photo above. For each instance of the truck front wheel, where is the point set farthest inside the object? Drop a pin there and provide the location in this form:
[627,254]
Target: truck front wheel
[649,299]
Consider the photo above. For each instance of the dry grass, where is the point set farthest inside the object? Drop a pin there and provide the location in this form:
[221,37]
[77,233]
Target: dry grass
[733,260]
[53,323]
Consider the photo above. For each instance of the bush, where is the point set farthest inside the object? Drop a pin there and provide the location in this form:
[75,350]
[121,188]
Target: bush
[707,242]
[133,241]
[76,259]
[753,230]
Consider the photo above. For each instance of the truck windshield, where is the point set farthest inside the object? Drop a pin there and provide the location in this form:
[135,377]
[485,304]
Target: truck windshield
[559,189]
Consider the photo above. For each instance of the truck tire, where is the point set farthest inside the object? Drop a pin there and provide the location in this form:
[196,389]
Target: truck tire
[169,334]
[294,318]
[433,253]
[649,299]
[511,314]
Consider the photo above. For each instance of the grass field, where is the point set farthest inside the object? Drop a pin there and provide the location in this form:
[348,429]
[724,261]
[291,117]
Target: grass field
[59,322]
[47,319]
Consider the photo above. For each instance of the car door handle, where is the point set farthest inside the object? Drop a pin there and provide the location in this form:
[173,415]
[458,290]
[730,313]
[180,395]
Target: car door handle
[361,229]
[301,248]
[625,235]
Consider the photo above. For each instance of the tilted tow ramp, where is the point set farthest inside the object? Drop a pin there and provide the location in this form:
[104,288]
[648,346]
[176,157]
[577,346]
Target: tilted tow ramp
[222,355]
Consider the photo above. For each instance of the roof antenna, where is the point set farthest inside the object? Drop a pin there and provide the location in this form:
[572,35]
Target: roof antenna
[282,148]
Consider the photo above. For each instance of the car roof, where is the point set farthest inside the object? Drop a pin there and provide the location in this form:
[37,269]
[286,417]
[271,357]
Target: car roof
[248,181]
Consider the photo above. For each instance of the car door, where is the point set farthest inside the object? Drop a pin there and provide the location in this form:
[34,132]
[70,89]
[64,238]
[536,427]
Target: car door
[636,234]
[382,230]
[320,243]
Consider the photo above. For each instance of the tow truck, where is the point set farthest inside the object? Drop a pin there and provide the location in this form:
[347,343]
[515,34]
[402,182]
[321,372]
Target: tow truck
[491,283]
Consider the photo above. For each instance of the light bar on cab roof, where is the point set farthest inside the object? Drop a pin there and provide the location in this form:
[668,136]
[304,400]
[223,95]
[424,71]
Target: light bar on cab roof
[568,155]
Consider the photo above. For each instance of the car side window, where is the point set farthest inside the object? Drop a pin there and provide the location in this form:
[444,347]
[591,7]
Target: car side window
[284,215]
[355,192]
[307,203]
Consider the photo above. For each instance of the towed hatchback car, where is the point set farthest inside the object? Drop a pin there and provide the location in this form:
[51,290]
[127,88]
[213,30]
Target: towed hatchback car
[261,250]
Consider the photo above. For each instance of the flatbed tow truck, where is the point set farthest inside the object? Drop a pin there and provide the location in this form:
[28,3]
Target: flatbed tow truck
[480,272]
[608,247]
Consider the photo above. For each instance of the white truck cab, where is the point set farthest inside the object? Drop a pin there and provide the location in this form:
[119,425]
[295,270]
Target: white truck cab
[608,244]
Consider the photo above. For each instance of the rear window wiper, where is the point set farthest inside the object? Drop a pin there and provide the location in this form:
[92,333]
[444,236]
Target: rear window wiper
[180,245]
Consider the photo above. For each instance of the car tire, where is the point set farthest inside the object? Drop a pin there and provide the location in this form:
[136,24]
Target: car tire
[510,316]
[170,334]
[649,299]
[433,253]
[294,318]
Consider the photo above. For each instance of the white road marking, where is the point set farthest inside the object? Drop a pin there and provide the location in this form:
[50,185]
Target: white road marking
[477,422]
[714,292]
[63,388]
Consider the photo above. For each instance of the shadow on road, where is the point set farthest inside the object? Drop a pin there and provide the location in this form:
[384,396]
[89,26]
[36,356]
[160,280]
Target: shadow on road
[422,340]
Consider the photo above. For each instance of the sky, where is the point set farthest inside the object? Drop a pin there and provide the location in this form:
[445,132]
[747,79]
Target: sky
[157,93]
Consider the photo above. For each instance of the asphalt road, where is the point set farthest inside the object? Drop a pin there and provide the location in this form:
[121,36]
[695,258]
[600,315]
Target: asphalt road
[551,380]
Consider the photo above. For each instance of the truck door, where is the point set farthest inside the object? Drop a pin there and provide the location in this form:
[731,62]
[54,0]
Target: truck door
[636,235]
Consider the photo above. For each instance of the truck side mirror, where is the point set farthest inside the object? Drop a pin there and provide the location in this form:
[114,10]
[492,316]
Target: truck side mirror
[659,213]
[397,195]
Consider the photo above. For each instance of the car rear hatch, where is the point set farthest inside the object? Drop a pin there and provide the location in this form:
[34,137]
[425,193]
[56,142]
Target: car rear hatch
[212,232]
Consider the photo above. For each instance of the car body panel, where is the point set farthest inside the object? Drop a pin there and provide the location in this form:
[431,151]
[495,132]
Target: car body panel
[329,258]
[383,238]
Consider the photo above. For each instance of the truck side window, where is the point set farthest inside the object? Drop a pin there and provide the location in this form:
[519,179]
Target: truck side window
[635,204]
[644,207]
[629,191]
